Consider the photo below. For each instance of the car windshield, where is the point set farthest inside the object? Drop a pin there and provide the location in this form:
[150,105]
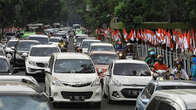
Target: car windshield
[42,40]
[103,59]
[54,40]
[11,43]
[45,51]
[131,69]
[25,46]
[2,53]
[12,102]
[86,44]
[4,67]
[74,66]
[102,48]
[175,87]
[79,40]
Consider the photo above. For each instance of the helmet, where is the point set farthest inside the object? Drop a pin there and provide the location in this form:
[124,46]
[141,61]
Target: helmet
[151,49]
[152,53]
[160,59]
[128,44]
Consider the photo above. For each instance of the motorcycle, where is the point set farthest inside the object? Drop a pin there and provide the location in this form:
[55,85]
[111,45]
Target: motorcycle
[63,47]
[161,75]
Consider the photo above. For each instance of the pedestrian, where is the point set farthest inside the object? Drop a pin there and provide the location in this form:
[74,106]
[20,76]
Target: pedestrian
[193,68]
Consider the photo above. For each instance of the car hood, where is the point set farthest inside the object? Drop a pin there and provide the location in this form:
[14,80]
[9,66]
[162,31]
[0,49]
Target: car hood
[76,78]
[39,59]
[132,80]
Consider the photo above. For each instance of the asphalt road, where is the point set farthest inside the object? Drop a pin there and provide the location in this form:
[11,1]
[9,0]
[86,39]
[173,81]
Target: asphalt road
[105,105]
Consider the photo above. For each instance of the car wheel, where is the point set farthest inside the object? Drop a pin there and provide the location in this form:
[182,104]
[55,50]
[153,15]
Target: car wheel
[97,105]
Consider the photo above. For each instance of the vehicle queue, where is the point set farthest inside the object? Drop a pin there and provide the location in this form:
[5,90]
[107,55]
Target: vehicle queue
[95,70]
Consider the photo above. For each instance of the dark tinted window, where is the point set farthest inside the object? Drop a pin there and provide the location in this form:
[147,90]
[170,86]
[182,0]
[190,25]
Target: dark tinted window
[153,104]
[25,46]
[102,48]
[175,87]
[131,69]
[11,43]
[148,91]
[103,59]
[73,66]
[165,106]
[38,51]
[4,67]
[13,102]
[42,40]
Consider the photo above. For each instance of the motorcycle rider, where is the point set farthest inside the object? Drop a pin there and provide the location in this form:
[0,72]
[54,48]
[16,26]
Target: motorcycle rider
[151,58]
[159,65]
[62,45]
[178,72]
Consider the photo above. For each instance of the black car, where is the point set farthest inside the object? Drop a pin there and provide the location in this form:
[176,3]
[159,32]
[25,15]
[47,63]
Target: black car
[20,52]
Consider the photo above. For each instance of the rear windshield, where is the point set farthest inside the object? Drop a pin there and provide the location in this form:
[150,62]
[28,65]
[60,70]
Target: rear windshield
[131,69]
[42,40]
[175,87]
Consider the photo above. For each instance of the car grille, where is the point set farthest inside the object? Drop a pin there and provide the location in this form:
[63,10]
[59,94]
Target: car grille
[78,85]
[70,95]
[130,93]
[42,64]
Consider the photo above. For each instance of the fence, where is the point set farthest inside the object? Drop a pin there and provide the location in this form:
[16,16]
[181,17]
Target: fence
[169,56]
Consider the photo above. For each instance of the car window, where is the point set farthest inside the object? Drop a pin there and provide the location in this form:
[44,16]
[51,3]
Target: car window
[153,104]
[43,51]
[4,67]
[163,105]
[103,59]
[131,69]
[42,40]
[11,43]
[25,46]
[23,103]
[74,66]
[101,48]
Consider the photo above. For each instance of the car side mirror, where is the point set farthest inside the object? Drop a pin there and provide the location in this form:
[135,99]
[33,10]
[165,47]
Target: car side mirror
[145,101]
[47,71]
[13,48]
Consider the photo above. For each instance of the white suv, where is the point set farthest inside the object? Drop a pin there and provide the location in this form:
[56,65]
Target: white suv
[71,77]
[125,79]
[38,58]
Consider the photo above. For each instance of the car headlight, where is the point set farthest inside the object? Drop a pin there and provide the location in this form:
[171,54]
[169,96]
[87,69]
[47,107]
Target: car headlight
[115,83]
[32,63]
[56,82]
[96,82]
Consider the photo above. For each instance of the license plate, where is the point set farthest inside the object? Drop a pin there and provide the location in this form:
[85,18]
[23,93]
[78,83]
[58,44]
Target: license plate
[77,98]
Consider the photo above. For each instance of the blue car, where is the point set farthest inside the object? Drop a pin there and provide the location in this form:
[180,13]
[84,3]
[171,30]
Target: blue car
[151,87]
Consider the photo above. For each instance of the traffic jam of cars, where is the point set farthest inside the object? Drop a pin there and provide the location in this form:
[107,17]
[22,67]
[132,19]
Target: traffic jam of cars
[78,68]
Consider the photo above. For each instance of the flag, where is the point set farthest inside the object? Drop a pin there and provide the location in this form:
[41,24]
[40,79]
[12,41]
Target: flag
[125,34]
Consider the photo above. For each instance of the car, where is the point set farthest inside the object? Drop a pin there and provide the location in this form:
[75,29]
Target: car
[102,59]
[175,99]
[38,58]
[101,47]
[125,79]
[20,53]
[4,66]
[153,86]
[24,96]
[78,40]
[72,78]
[54,40]
[86,43]
[43,39]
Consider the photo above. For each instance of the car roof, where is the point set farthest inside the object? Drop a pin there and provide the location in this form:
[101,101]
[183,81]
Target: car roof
[82,35]
[39,35]
[13,40]
[28,41]
[101,44]
[19,87]
[188,96]
[103,52]
[70,55]
[88,40]
[129,61]
[174,83]
[50,46]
